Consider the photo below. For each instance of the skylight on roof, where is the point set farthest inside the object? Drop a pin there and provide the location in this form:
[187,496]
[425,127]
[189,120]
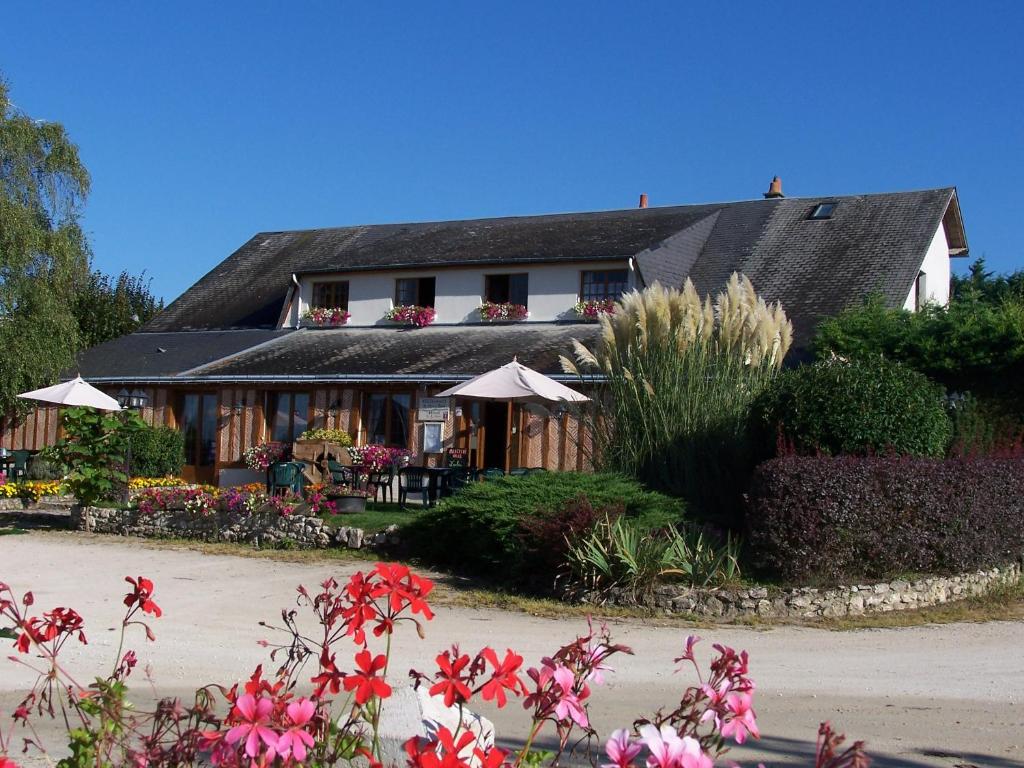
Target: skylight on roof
[823,211]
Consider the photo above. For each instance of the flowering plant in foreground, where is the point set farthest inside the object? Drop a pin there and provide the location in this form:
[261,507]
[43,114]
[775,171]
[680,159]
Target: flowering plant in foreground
[322,706]
[410,314]
[327,316]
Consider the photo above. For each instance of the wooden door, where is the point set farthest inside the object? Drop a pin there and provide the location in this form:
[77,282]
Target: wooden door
[197,421]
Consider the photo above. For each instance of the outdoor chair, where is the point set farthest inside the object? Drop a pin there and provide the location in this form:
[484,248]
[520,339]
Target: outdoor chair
[462,477]
[493,473]
[519,472]
[413,480]
[383,481]
[19,469]
[286,476]
[340,474]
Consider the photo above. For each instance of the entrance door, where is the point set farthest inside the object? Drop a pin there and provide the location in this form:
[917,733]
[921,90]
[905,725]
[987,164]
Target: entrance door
[198,423]
[496,435]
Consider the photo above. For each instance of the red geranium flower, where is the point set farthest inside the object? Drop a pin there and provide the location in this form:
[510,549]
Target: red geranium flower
[366,682]
[504,677]
[451,682]
[142,596]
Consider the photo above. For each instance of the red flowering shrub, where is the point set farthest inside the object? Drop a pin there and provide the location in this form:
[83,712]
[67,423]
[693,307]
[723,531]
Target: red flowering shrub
[833,519]
[411,314]
[316,708]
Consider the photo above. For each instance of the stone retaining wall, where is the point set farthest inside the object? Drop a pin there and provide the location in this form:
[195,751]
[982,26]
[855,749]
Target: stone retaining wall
[807,602]
[262,529]
[17,504]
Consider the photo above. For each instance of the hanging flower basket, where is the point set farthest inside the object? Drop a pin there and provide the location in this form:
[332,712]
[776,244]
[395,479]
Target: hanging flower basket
[410,314]
[592,309]
[492,312]
[327,317]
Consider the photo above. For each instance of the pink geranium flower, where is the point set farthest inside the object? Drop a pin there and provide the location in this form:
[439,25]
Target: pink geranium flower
[741,720]
[255,715]
[668,750]
[621,749]
[296,740]
[568,706]
[595,655]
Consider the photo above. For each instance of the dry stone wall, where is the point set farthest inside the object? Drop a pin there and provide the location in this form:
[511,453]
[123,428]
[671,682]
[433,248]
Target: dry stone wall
[810,603]
[261,529]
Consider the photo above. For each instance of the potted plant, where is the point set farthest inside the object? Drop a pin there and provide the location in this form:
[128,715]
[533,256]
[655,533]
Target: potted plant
[261,457]
[410,314]
[592,309]
[492,312]
[327,317]
[346,499]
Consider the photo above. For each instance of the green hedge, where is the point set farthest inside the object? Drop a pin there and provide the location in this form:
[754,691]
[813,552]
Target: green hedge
[477,530]
[854,407]
[157,451]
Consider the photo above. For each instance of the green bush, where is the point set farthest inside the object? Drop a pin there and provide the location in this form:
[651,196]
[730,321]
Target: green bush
[43,468]
[477,531]
[860,406]
[157,452]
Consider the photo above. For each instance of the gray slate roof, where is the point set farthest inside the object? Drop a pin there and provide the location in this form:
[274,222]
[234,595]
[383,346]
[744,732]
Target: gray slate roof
[154,355]
[223,325]
[816,268]
[435,353]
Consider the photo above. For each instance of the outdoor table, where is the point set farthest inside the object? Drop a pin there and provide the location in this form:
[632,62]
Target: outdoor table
[437,482]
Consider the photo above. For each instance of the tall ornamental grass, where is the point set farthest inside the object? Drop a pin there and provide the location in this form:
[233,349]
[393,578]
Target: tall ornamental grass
[677,376]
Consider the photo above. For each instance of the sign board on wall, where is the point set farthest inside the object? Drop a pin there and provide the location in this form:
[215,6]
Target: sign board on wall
[433,408]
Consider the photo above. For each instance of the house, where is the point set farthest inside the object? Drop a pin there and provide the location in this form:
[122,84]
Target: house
[234,361]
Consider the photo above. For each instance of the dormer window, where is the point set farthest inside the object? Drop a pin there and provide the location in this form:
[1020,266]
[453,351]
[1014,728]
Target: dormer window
[507,289]
[415,292]
[330,295]
[822,211]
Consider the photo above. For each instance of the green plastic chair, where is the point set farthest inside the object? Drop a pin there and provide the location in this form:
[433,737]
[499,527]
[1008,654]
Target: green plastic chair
[286,476]
[519,472]
[19,470]
[493,473]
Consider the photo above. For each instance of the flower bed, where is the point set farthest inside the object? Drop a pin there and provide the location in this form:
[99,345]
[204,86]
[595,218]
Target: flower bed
[592,309]
[495,313]
[327,316]
[138,483]
[410,314]
[31,490]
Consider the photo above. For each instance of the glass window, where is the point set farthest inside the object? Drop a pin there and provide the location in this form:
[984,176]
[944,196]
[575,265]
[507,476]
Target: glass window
[330,295]
[415,291]
[387,418]
[198,424]
[290,416]
[507,289]
[603,284]
[823,211]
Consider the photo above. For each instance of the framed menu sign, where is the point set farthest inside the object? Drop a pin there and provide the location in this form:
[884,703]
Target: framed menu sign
[432,408]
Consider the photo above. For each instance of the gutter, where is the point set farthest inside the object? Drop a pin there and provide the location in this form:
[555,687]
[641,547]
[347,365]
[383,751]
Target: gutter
[322,379]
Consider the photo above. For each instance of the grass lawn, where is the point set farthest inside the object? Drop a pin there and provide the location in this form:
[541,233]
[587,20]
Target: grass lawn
[377,517]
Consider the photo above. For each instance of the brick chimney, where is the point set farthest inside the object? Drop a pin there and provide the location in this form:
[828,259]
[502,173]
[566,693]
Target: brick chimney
[774,189]
[643,200]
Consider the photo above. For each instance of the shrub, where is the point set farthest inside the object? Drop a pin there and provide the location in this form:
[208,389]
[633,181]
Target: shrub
[621,553]
[43,468]
[680,376]
[477,531]
[157,452]
[94,450]
[338,436]
[864,405]
[820,518]
[981,429]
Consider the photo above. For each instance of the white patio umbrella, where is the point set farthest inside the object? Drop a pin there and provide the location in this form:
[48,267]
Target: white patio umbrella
[515,382]
[75,392]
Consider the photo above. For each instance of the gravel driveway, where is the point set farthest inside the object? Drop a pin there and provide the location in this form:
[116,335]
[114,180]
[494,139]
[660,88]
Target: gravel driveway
[928,696]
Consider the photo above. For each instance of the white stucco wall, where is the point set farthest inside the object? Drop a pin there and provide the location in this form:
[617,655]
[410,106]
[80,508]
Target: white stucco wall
[553,290]
[936,272]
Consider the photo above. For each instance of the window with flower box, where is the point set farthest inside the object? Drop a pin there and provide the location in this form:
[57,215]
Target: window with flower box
[507,289]
[601,284]
[415,291]
[330,295]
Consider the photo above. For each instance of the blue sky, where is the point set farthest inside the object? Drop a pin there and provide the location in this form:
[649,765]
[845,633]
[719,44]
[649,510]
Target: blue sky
[205,123]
